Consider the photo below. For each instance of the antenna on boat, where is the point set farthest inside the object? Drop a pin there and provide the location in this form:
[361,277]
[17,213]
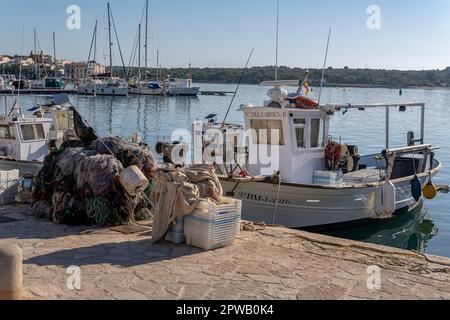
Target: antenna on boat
[276,50]
[237,88]
[324,66]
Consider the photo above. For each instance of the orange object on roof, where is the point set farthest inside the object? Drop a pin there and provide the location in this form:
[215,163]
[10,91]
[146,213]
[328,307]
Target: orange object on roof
[305,103]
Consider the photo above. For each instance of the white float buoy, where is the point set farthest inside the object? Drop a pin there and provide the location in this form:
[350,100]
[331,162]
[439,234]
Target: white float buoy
[384,205]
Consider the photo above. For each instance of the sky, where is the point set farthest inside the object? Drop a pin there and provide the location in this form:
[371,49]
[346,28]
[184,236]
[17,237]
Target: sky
[413,34]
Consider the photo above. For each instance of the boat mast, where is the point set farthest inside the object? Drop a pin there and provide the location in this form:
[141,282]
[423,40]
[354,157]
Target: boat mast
[276,50]
[35,56]
[139,53]
[157,65]
[110,43]
[324,66]
[54,53]
[146,38]
[95,41]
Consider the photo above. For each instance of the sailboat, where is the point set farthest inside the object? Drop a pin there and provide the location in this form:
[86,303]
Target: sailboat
[47,81]
[112,86]
[144,86]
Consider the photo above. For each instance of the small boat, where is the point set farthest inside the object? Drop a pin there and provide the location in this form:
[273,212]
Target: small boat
[290,172]
[26,141]
[181,87]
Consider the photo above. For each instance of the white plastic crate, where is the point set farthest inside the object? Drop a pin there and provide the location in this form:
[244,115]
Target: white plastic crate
[213,226]
[176,232]
[9,186]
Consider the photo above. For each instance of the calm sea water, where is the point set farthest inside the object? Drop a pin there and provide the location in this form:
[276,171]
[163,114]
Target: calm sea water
[426,229]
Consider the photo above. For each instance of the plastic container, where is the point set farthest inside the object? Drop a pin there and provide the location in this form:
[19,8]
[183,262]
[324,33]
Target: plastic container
[9,186]
[327,178]
[133,180]
[213,226]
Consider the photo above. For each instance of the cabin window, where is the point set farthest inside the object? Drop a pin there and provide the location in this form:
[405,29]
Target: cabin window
[264,129]
[32,132]
[300,126]
[7,132]
[317,133]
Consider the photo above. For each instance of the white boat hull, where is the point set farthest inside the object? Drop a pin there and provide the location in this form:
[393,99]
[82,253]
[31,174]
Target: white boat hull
[307,206]
[193,91]
[147,91]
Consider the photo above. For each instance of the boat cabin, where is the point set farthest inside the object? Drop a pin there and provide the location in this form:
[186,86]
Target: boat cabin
[24,138]
[300,135]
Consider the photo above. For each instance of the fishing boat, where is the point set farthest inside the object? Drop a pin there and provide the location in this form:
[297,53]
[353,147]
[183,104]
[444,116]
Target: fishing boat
[25,141]
[309,179]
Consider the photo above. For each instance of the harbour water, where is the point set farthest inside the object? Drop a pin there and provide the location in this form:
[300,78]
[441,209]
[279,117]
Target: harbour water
[427,229]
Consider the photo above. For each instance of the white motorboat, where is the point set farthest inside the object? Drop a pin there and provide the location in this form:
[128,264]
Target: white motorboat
[181,87]
[298,177]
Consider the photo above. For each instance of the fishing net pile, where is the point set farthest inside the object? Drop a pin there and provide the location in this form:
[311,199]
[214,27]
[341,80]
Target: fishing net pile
[79,183]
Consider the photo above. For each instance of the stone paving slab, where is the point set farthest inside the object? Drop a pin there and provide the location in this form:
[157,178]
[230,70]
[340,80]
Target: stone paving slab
[271,263]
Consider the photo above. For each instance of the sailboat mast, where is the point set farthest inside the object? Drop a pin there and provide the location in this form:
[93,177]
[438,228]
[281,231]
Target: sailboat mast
[54,53]
[95,41]
[157,65]
[110,43]
[139,53]
[276,50]
[146,38]
[35,55]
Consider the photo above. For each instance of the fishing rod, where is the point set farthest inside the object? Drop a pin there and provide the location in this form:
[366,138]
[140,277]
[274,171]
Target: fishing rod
[238,85]
[324,66]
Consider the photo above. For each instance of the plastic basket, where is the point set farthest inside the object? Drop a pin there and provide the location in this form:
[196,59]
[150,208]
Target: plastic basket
[213,226]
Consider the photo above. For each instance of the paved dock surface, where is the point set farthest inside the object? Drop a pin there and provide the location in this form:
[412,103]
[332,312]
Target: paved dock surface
[264,263]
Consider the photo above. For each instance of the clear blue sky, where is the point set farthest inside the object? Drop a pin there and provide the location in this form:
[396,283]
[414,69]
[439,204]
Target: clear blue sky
[414,34]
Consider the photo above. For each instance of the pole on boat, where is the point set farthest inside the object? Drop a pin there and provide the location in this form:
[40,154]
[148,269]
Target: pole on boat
[54,53]
[35,55]
[146,38]
[276,50]
[139,54]
[422,123]
[110,43]
[95,41]
[157,65]
[237,88]
[324,65]
[387,127]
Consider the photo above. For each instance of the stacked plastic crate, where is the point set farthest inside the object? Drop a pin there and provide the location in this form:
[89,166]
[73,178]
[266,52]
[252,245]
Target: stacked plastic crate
[212,226]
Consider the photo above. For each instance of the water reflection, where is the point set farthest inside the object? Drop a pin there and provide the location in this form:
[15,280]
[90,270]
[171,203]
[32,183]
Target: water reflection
[412,230]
